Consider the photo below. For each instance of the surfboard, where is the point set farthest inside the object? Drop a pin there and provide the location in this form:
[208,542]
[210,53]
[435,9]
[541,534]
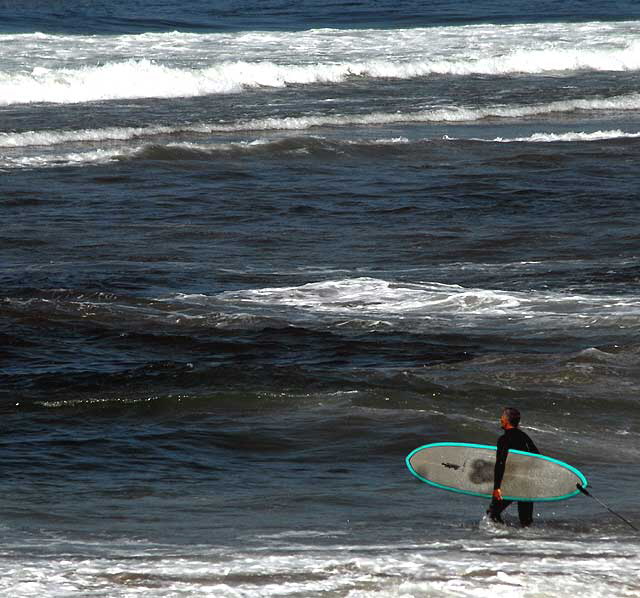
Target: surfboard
[468,469]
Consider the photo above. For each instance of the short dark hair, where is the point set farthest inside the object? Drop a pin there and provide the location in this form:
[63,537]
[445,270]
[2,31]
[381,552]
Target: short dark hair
[512,415]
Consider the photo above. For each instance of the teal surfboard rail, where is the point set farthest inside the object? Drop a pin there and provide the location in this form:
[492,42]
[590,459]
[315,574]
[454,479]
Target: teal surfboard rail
[583,480]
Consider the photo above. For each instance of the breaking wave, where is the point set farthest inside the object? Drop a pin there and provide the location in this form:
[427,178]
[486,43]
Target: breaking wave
[571,136]
[374,297]
[299,146]
[452,114]
[144,78]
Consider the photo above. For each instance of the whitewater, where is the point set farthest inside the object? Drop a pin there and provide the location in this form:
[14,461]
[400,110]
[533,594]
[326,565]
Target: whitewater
[453,114]
[74,69]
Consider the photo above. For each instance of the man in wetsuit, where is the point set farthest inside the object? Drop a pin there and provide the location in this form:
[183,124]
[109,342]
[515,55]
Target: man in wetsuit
[513,438]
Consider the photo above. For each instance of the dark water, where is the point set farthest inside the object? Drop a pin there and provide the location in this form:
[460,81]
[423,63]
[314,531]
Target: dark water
[253,254]
[130,16]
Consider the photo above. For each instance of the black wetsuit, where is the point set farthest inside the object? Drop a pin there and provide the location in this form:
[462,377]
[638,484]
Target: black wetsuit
[514,438]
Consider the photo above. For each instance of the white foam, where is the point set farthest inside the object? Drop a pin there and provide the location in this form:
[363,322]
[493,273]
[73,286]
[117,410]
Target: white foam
[49,158]
[98,156]
[72,69]
[476,563]
[569,137]
[135,79]
[372,297]
[611,42]
[130,79]
[454,114]
[53,137]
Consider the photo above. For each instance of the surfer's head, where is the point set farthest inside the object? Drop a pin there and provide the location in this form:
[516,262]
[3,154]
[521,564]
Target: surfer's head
[510,418]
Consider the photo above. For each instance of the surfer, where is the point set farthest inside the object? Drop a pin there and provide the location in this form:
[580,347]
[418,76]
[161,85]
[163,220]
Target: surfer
[513,438]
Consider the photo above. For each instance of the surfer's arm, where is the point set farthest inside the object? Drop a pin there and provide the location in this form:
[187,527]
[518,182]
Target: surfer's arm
[501,460]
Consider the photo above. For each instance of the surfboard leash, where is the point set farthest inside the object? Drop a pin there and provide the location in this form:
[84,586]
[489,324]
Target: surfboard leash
[587,493]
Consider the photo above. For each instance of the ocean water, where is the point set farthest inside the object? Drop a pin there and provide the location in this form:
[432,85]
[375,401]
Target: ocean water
[252,254]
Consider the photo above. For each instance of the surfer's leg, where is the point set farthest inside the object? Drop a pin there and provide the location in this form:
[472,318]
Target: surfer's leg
[525,513]
[495,509]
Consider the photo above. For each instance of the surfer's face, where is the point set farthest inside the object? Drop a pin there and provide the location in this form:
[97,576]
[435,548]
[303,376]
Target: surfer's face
[504,422]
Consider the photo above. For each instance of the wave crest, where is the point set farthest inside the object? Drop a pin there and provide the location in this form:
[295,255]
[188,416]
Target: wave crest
[135,79]
[452,114]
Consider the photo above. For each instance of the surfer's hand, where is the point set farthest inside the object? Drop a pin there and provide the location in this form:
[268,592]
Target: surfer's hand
[497,494]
